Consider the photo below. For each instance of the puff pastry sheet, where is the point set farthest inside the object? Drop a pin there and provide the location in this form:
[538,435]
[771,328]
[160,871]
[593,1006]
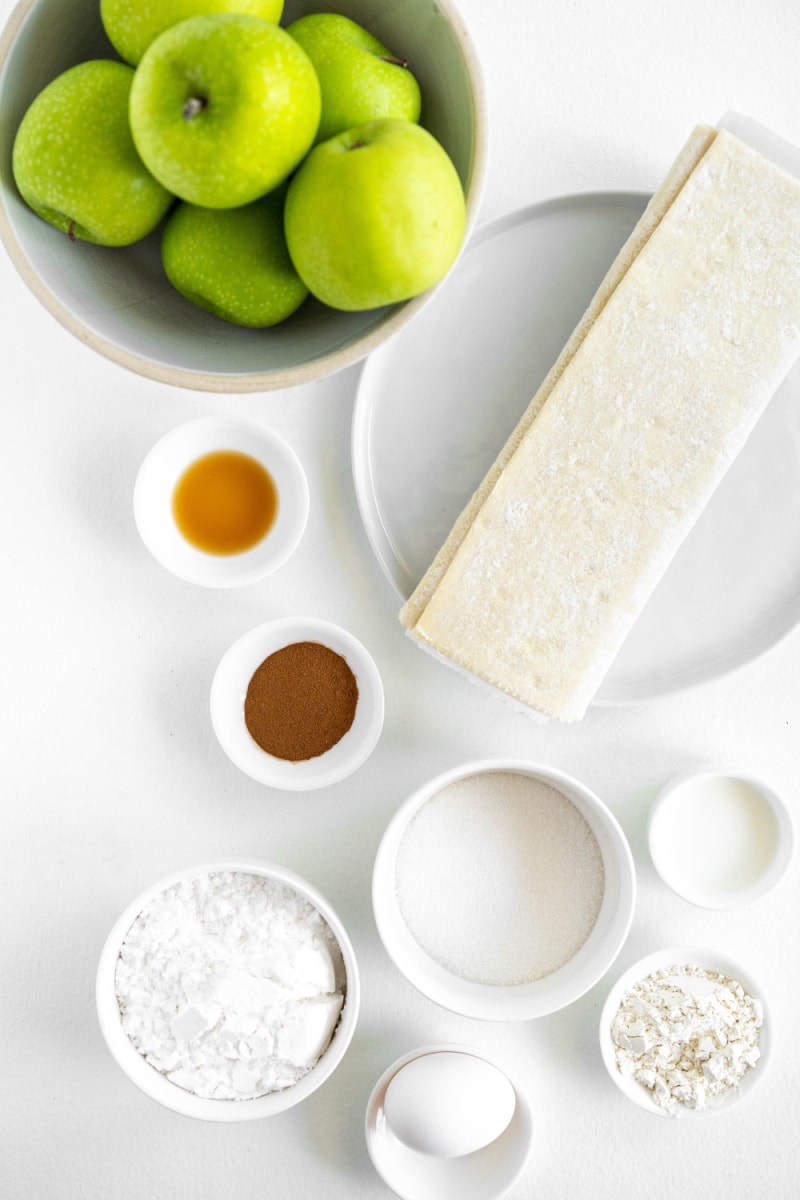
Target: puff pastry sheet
[684,344]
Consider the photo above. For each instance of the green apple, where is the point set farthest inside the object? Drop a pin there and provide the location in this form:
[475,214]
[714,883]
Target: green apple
[233,261]
[131,25]
[75,163]
[223,108]
[361,80]
[374,215]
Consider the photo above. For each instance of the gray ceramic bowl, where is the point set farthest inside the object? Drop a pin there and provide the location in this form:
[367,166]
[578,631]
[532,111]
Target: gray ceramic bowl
[119,302]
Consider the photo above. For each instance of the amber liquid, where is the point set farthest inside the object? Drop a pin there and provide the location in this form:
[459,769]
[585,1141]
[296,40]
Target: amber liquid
[225,502]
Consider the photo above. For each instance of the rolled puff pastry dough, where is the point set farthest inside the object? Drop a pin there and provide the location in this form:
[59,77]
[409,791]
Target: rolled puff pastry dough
[684,344]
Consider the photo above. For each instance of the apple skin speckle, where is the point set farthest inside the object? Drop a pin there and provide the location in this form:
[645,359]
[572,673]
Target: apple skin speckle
[75,163]
[258,117]
[379,226]
[234,262]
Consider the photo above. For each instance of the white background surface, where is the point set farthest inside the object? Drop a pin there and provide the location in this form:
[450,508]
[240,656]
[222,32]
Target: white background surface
[112,777]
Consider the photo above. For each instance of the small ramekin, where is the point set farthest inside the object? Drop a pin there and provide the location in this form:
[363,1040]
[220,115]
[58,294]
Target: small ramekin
[156,1085]
[677,839]
[229,688]
[708,960]
[163,467]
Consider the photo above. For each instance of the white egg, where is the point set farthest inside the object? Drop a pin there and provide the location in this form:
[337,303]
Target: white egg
[448,1103]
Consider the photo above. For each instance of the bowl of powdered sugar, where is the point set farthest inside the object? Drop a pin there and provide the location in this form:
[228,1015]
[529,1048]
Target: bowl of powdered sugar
[228,992]
[685,1032]
[503,890]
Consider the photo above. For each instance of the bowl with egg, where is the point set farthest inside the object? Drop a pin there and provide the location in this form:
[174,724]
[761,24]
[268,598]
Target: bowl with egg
[444,1122]
[503,889]
[118,299]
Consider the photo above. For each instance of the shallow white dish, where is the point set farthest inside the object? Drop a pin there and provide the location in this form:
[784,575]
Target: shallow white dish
[163,467]
[157,1086]
[229,688]
[719,838]
[528,1000]
[709,960]
[486,1174]
[436,405]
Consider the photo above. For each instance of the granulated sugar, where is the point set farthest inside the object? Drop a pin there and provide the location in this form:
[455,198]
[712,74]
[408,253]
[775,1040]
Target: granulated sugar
[499,878]
[231,984]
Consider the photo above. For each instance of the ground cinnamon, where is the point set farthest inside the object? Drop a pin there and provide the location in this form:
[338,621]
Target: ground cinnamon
[300,701]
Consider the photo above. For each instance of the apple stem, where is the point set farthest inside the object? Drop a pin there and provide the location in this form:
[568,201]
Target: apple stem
[391,58]
[193,106]
[71,231]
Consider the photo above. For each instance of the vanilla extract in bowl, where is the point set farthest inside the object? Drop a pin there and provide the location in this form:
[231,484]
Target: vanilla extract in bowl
[225,502]
[220,502]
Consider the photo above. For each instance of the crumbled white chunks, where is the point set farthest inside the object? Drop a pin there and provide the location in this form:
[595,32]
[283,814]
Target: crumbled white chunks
[306,1028]
[231,985]
[687,1035]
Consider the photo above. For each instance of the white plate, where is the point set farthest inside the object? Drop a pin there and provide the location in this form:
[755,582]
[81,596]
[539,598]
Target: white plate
[435,405]
[485,1174]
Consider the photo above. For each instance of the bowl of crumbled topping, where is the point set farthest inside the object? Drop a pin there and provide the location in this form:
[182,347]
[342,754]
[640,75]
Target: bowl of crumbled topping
[685,1032]
[228,992]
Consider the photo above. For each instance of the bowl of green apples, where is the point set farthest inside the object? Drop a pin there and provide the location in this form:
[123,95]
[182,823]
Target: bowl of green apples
[237,195]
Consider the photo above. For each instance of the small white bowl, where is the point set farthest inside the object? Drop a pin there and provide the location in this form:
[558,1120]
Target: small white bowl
[229,688]
[156,1085]
[708,960]
[486,1174]
[163,467]
[529,1000]
[719,838]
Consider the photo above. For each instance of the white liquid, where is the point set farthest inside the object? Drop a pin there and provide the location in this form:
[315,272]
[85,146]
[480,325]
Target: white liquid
[714,837]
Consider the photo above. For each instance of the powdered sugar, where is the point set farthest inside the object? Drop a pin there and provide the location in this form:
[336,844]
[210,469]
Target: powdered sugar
[231,984]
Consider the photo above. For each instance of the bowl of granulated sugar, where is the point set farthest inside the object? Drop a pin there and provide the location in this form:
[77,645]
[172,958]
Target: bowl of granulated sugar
[503,890]
[228,992]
